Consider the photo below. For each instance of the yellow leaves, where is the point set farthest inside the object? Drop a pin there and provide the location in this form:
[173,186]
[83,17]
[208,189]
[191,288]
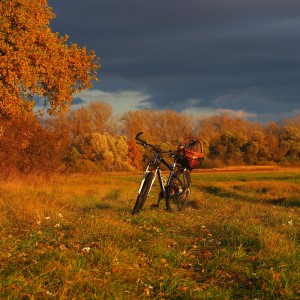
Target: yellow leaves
[183,288]
[35,60]
[207,253]
[24,144]
[276,276]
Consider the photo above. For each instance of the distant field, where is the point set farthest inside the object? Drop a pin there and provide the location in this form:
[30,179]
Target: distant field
[74,238]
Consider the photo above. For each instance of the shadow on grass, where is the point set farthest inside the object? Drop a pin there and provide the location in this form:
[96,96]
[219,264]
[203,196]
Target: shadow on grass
[97,206]
[113,195]
[194,204]
[285,202]
[222,193]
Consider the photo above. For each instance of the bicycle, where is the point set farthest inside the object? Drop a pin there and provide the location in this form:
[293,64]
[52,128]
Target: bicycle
[177,188]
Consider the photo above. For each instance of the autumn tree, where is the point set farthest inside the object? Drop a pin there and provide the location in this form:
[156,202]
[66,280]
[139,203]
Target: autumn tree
[34,61]
[227,147]
[94,117]
[211,127]
[290,140]
[134,154]
[30,146]
[231,140]
[254,149]
[272,137]
[158,126]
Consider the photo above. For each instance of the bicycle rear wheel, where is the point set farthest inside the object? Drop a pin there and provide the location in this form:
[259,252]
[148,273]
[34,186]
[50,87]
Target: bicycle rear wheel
[144,192]
[179,190]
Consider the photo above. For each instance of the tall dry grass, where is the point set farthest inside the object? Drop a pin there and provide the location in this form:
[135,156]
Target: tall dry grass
[74,237]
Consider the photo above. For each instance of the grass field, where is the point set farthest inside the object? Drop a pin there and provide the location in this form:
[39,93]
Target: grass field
[74,238]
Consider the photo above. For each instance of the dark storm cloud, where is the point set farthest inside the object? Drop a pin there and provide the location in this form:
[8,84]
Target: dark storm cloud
[218,54]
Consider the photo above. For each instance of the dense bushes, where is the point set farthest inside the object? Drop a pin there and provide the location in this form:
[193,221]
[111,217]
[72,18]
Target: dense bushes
[231,141]
[29,146]
[98,152]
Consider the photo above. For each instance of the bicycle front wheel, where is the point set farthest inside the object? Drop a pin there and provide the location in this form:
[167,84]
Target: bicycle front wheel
[143,194]
[179,190]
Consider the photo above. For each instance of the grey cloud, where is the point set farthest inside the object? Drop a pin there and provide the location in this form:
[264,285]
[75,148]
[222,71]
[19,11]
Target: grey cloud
[181,50]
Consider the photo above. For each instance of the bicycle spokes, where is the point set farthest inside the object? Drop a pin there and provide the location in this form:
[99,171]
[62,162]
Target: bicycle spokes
[179,190]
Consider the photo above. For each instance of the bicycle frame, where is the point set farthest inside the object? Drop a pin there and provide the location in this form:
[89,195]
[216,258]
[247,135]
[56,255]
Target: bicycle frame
[155,166]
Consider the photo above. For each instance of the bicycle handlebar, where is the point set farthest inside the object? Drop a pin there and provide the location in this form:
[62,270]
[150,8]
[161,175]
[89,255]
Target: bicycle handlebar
[137,137]
[145,144]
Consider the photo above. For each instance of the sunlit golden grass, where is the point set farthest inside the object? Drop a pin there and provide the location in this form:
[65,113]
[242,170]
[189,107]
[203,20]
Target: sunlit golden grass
[74,237]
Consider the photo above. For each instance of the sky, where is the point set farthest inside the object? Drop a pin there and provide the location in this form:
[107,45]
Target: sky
[202,57]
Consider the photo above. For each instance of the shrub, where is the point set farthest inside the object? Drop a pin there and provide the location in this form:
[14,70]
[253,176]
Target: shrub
[28,146]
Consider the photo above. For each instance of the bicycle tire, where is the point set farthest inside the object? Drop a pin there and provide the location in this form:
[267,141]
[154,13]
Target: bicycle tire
[143,195]
[179,190]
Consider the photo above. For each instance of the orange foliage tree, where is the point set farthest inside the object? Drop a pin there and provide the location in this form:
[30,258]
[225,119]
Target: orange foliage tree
[28,146]
[158,126]
[34,61]
[95,117]
[134,154]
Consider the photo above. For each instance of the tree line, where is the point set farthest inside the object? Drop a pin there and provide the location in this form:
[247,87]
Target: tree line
[92,139]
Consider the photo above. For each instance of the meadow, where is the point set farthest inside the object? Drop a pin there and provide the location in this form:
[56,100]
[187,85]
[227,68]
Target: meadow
[73,237]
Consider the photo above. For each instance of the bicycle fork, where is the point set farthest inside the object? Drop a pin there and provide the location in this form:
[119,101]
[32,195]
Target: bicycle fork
[143,180]
[157,171]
